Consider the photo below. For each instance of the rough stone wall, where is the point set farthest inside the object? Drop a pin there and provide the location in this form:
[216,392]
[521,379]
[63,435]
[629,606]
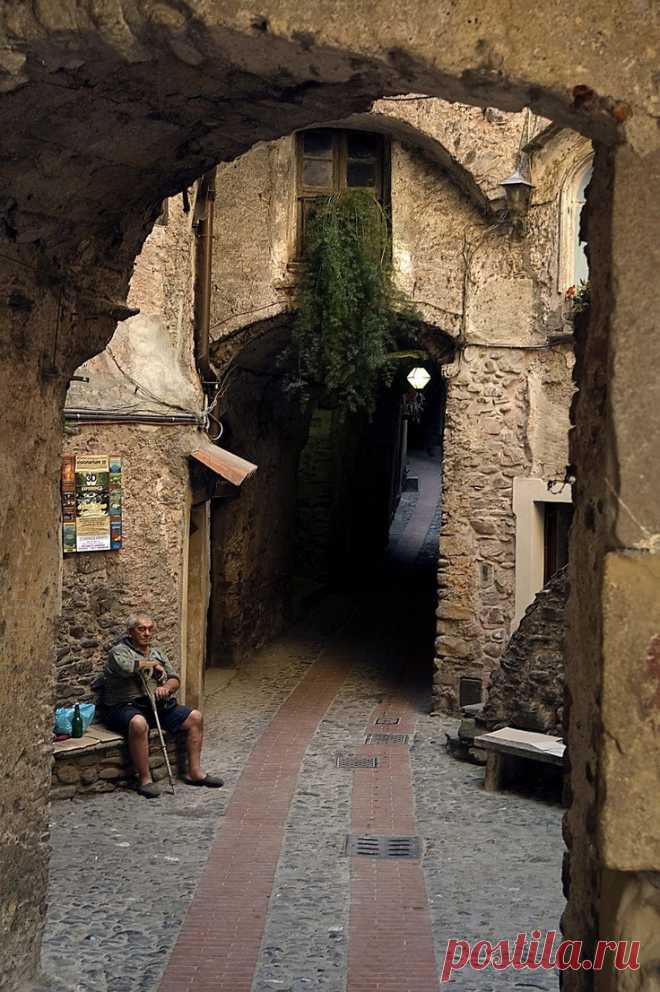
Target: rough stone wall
[470,279]
[29,584]
[508,408]
[431,220]
[101,588]
[252,537]
[492,436]
[155,350]
[484,449]
[527,688]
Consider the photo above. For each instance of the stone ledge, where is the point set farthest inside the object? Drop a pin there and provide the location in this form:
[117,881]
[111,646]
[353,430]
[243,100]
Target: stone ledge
[99,762]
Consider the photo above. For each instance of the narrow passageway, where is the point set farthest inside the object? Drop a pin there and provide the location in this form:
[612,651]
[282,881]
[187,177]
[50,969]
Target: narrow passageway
[253,889]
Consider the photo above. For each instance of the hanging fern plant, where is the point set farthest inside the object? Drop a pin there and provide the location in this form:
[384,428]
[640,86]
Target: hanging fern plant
[350,314]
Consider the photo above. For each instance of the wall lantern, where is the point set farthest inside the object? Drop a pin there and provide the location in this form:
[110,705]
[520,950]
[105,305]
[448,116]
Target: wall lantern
[518,192]
[418,377]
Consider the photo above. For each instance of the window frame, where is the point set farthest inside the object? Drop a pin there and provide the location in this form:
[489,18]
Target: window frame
[569,221]
[340,160]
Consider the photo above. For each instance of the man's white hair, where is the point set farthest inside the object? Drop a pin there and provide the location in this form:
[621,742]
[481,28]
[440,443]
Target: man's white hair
[135,618]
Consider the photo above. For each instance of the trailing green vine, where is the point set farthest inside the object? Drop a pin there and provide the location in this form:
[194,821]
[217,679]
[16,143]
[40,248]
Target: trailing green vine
[350,315]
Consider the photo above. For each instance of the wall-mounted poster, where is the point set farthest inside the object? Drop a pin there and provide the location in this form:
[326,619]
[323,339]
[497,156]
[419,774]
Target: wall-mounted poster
[91,503]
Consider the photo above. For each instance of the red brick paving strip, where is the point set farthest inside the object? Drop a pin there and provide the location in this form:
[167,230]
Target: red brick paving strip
[219,942]
[390,937]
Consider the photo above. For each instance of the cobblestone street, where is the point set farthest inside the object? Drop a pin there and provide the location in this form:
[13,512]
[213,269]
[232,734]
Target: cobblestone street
[249,889]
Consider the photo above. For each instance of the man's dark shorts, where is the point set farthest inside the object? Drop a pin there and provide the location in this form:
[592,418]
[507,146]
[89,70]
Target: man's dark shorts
[117,718]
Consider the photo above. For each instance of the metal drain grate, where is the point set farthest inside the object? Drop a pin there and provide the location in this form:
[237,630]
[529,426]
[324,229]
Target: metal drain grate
[386,739]
[388,721]
[369,846]
[351,761]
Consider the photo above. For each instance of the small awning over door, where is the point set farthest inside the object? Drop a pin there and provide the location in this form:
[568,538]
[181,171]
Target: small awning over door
[224,463]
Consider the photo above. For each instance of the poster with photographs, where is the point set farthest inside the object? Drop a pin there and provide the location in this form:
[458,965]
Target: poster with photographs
[91,503]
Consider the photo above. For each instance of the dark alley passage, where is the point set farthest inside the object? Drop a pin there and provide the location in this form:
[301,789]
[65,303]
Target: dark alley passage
[251,889]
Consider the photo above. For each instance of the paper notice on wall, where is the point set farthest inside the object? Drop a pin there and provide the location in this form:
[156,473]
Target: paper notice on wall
[93,533]
[91,503]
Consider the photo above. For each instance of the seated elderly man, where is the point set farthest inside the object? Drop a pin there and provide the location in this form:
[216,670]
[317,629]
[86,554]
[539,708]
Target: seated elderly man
[128,709]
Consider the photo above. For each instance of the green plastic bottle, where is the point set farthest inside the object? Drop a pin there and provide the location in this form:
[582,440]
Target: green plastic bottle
[76,722]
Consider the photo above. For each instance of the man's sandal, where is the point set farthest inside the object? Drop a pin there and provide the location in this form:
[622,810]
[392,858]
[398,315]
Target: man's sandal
[211,781]
[149,790]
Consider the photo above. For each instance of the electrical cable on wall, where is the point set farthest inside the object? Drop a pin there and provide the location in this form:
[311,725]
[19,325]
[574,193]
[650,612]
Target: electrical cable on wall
[145,389]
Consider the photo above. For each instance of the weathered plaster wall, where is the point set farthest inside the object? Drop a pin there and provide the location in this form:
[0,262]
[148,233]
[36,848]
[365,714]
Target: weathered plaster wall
[154,348]
[256,215]
[431,220]
[147,366]
[483,142]
[252,245]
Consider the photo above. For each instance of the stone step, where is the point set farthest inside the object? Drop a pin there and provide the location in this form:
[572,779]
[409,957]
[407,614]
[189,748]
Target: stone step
[99,762]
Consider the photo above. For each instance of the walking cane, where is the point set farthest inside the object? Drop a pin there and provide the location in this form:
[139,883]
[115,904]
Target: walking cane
[159,729]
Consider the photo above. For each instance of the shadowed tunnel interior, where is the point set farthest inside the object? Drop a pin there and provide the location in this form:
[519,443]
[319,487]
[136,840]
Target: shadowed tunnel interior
[319,515]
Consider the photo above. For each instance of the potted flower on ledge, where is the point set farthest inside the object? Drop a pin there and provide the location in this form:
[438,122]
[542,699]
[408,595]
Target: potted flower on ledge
[578,298]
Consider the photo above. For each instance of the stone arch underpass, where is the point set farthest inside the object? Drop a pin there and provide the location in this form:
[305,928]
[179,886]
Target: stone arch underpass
[108,107]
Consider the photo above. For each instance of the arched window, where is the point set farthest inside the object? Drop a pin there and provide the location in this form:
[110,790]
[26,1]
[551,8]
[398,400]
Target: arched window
[573,264]
[330,161]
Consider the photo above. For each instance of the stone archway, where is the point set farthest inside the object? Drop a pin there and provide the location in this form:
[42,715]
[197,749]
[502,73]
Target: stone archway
[106,108]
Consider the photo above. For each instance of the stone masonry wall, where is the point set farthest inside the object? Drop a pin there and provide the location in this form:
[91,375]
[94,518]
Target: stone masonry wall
[252,537]
[106,765]
[148,366]
[101,588]
[470,279]
[486,446]
[484,449]
[527,689]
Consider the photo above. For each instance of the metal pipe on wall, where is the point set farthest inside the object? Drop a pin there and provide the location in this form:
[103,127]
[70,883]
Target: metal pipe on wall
[203,223]
[82,416]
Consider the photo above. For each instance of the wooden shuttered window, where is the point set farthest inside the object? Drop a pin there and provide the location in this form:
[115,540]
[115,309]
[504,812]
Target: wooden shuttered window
[330,161]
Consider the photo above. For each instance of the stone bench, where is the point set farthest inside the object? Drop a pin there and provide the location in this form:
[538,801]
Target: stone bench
[99,762]
[505,747]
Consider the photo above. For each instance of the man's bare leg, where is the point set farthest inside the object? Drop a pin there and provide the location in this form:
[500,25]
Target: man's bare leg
[138,748]
[194,729]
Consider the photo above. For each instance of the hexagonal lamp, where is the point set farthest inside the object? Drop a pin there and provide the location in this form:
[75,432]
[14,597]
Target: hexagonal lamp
[518,192]
[418,377]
